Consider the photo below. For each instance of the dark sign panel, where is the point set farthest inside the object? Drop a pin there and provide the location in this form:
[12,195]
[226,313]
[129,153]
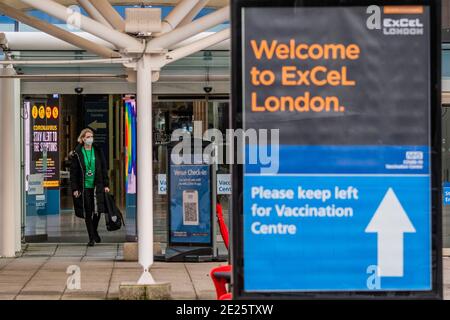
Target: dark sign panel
[349,95]
[96,117]
[44,141]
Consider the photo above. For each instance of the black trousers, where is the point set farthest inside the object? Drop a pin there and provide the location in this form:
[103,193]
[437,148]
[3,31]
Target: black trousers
[91,217]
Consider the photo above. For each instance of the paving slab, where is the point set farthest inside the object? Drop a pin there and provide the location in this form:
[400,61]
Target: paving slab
[447,292]
[40,250]
[182,287]
[98,258]
[71,251]
[47,281]
[5,261]
[25,263]
[127,265]
[59,264]
[201,280]
[102,250]
[37,297]
[125,275]
[84,296]
[10,288]
[97,264]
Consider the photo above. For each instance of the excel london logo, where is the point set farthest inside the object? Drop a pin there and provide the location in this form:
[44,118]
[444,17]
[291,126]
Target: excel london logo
[392,21]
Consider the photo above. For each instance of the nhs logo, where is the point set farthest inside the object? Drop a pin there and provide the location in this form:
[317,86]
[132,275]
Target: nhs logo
[414,155]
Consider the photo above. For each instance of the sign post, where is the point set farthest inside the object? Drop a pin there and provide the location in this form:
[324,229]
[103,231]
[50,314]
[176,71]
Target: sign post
[350,97]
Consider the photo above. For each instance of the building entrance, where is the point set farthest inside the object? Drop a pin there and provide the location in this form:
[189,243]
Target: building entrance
[51,125]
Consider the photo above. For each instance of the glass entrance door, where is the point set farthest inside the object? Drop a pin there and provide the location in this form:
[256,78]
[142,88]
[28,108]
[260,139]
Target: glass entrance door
[51,125]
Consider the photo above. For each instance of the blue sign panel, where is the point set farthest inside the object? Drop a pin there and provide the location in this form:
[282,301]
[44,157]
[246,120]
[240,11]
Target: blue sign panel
[341,232]
[336,190]
[446,193]
[190,204]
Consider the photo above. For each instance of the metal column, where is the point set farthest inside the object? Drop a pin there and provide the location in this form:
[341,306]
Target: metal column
[8,179]
[145,168]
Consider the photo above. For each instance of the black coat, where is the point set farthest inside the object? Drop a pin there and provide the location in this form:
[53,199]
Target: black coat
[101,180]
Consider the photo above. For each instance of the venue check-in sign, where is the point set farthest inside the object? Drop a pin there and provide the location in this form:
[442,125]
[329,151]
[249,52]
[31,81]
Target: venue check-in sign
[349,96]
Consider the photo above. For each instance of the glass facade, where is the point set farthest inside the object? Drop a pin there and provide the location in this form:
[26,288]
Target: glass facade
[49,212]
[171,112]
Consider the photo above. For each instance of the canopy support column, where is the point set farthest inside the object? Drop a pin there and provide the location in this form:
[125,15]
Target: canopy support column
[10,208]
[145,167]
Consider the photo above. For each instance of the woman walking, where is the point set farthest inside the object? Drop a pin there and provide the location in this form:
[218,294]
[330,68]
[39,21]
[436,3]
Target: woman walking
[89,177]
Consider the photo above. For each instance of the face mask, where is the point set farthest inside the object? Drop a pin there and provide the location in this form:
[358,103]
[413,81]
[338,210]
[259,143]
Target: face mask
[89,141]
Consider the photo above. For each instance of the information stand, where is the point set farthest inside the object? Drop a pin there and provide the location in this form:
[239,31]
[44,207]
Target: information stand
[189,186]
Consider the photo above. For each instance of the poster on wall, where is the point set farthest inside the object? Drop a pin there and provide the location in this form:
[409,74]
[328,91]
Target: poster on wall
[349,201]
[44,141]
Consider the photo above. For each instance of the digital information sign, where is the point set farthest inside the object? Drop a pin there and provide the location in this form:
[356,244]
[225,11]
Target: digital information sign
[351,201]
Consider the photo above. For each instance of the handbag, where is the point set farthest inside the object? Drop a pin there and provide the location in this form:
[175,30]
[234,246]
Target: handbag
[113,216]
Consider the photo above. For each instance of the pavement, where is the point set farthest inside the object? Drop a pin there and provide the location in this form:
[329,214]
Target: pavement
[446,270]
[39,273]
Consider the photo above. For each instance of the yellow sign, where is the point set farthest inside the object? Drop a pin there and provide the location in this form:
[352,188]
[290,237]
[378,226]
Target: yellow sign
[41,112]
[45,128]
[34,112]
[48,112]
[51,184]
[55,112]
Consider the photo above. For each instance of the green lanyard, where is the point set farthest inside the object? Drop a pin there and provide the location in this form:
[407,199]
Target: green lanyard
[89,164]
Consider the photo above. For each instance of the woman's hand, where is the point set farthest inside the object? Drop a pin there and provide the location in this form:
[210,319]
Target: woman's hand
[106,189]
[76,194]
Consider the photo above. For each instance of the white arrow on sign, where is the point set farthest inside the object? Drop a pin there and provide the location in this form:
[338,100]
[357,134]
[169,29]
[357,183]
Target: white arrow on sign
[390,221]
[97,125]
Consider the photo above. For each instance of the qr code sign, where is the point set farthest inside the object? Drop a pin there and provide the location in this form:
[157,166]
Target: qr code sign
[191,197]
[190,213]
